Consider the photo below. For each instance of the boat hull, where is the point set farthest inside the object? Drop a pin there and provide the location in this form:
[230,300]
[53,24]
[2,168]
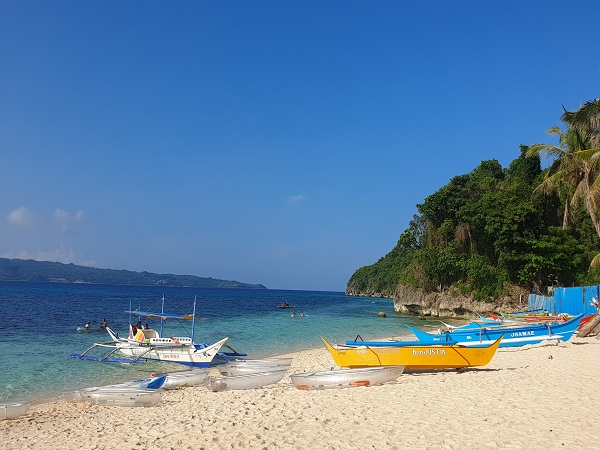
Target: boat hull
[244,369]
[262,361]
[513,336]
[249,381]
[13,410]
[183,379]
[413,357]
[185,354]
[132,397]
[335,379]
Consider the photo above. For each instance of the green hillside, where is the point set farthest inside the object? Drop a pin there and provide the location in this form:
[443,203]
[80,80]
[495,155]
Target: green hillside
[29,270]
[495,227]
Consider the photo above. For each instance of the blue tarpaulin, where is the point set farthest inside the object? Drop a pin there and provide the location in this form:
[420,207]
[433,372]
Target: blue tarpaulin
[573,300]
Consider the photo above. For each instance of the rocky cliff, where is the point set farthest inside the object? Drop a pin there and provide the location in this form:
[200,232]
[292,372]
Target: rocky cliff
[452,304]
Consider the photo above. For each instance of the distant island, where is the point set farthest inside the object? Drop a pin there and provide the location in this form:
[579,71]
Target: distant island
[30,270]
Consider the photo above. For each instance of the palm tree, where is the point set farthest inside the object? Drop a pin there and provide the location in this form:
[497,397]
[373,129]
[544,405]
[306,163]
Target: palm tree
[576,167]
[586,119]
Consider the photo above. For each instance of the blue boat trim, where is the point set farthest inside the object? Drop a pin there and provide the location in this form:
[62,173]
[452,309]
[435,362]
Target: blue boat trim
[103,359]
[514,336]
[157,382]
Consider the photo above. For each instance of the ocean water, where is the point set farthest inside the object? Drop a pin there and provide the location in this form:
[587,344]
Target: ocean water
[38,324]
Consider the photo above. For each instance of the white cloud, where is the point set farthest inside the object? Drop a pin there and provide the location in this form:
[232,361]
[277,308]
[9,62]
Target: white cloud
[66,220]
[296,198]
[62,255]
[21,217]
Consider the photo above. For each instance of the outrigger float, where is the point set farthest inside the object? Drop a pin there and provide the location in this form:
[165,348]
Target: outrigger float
[147,344]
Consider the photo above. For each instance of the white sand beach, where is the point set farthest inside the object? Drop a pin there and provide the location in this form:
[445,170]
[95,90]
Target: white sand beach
[526,398]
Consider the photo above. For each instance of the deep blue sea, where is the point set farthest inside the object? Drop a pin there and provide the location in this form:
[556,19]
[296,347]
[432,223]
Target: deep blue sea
[38,326]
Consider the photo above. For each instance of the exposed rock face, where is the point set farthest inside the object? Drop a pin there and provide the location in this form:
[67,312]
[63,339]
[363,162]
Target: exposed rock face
[451,304]
[354,293]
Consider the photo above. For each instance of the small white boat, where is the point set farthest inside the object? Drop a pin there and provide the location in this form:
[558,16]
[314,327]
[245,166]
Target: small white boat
[249,381]
[331,379]
[122,396]
[245,369]
[73,396]
[185,378]
[263,361]
[13,410]
[147,383]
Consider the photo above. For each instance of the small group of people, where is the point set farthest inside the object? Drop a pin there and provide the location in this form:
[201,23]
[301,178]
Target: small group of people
[299,315]
[103,325]
[138,326]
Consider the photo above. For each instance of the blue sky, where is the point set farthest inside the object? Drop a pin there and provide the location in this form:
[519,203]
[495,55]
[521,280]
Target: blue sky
[277,142]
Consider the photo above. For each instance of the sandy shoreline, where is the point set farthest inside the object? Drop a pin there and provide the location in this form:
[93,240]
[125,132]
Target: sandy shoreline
[532,397]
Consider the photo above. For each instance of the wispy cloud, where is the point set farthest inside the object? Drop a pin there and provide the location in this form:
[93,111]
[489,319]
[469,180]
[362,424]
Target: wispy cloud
[62,255]
[296,198]
[21,217]
[66,220]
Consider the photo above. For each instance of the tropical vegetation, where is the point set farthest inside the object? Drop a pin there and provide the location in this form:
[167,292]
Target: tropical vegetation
[497,227]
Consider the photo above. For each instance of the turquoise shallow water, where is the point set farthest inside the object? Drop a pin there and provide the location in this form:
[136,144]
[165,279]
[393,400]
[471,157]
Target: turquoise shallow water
[39,323]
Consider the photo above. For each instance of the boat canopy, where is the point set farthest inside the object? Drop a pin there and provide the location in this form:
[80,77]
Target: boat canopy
[155,315]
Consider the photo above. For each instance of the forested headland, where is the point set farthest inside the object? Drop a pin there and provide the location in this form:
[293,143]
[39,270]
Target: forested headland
[497,228]
[29,270]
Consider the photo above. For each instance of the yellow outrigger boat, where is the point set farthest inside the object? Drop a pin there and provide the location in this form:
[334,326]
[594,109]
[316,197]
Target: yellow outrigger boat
[413,355]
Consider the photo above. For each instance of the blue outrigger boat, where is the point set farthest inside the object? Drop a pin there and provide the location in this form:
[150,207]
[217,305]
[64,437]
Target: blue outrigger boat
[478,335]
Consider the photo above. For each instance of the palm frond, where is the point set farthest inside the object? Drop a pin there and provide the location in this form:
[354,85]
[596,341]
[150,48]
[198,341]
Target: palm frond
[549,150]
[555,130]
[595,264]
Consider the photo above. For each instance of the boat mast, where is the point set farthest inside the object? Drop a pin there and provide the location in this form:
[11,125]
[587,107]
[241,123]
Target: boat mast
[162,311]
[193,319]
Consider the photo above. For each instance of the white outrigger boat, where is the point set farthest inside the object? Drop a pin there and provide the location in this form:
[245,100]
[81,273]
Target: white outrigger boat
[331,379]
[145,343]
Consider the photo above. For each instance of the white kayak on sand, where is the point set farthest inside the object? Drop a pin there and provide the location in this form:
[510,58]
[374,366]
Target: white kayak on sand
[332,379]
[249,381]
[147,383]
[185,378]
[13,410]
[245,369]
[122,396]
[263,361]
